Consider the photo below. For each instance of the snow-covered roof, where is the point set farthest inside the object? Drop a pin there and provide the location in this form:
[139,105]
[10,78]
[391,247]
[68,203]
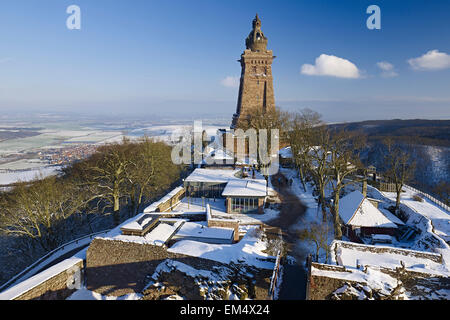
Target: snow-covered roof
[141,222]
[356,210]
[158,236]
[212,175]
[218,155]
[391,217]
[200,230]
[236,186]
[245,188]
[162,233]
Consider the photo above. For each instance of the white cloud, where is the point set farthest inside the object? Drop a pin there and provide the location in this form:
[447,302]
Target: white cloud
[432,60]
[230,82]
[333,66]
[387,69]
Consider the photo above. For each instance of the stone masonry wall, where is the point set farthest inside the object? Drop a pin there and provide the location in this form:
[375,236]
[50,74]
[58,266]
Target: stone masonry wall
[172,201]
[55,288]
[418,284]
[322,287]
[223,223]
[381,250]
[117,268]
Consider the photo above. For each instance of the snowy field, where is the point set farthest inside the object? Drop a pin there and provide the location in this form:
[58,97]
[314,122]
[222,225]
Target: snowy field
[28,175]
[61,135]
[54,139]
[23,164]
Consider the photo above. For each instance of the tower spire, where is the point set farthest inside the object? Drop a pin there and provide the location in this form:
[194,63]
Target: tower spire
[256,41]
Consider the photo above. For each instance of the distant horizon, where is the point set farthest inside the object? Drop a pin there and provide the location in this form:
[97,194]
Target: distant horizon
[149,117]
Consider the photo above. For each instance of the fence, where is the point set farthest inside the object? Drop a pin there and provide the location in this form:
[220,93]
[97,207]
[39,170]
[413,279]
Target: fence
[390,187]
[51,257]
[426,195]
[275,277]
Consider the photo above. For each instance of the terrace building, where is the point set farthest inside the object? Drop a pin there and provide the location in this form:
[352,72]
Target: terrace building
[243,191]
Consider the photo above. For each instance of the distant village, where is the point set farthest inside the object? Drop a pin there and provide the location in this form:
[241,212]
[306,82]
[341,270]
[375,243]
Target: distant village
[67,155]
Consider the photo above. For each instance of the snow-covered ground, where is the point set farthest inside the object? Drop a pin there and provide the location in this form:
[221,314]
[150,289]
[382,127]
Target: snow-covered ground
[313,213]
[85,294]
[210,283]
[250,250]
[434,221]
[199,231]
[351,254]
[439,217]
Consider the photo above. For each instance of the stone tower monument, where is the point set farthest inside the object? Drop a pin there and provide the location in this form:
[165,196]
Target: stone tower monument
[256,87]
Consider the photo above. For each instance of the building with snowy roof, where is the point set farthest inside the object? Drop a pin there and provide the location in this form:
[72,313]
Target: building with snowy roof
[361,218]
[244,190]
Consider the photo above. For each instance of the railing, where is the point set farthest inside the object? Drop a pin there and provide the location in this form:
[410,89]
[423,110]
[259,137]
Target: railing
[49,259]
[275,276]
[426,195]
[387,187]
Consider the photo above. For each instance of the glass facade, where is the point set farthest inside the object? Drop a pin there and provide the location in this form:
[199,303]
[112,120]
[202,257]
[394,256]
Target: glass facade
[243,205]
[207,190]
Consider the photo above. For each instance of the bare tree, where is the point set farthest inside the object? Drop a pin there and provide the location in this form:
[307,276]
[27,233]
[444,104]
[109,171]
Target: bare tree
[300,139]
[442,190]
[343,162]
[40,211]
[399,167]
[149,172]
[317,234]
[107,172]
[266,120]
[319,168]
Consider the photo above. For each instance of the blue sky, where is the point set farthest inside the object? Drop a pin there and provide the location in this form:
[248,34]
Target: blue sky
[171,57]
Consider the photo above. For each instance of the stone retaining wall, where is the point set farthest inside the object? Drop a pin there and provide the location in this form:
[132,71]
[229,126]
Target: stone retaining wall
[419,284]
[117,268]
[320,287]
[58,287]
[165,206]
[223,223]
[381,250]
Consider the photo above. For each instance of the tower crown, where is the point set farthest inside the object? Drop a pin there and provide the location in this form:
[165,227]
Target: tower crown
[256,41]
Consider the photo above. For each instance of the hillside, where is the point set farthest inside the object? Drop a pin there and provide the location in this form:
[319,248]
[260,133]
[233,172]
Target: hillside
[425,132]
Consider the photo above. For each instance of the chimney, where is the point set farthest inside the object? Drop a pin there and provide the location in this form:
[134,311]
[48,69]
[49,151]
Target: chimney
[364,188]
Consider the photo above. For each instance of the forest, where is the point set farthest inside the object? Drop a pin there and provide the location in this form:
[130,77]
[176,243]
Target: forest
[92,195]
